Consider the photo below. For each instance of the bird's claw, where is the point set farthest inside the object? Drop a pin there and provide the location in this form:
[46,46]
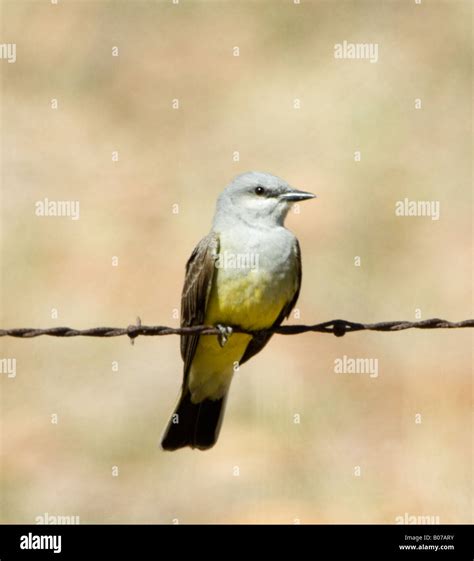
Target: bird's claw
[224,333]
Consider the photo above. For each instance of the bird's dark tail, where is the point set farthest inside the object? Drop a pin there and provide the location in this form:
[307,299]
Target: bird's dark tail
[194,424]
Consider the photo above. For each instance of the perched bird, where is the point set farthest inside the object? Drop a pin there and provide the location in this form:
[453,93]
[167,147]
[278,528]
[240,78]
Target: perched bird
[246,272]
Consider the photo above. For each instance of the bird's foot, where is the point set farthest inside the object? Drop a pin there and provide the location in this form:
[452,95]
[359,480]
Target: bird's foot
[224,333]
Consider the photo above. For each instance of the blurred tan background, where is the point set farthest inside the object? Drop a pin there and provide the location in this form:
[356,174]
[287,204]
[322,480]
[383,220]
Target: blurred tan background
[287,472]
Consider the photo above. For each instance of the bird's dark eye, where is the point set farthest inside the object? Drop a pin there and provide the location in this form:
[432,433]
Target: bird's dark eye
[259,190]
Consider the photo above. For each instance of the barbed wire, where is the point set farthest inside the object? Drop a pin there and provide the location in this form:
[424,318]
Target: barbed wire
[337,327]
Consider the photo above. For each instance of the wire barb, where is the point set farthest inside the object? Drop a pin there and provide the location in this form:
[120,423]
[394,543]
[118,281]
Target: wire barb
[337,327]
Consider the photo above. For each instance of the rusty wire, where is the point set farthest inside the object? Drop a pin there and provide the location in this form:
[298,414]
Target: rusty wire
[337,327]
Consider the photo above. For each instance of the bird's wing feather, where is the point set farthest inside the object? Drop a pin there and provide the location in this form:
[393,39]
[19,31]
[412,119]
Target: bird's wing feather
[200,270]
[257,343]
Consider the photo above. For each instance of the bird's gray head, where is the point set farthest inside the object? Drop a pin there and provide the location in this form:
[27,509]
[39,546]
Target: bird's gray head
[258,199]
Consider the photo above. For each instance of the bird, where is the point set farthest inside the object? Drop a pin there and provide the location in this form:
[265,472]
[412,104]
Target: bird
[246,272]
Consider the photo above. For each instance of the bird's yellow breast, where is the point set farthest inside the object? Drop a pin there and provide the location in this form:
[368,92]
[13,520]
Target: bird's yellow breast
[252,301]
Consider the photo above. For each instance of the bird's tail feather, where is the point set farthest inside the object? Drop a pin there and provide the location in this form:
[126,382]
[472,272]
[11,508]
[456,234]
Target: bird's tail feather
[194,424]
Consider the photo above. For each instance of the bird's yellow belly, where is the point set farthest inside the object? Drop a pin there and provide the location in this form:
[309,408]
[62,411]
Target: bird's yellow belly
[213,366]
[253,301]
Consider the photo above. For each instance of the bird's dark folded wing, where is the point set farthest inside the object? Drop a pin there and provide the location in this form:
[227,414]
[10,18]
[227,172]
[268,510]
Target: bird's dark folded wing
[200,270]
[258,342]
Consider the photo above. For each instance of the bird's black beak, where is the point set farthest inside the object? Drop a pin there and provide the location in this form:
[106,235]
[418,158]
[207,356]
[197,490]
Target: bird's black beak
[294,196]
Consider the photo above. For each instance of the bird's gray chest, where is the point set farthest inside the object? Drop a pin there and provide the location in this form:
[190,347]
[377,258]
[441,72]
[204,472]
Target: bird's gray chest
[271,251]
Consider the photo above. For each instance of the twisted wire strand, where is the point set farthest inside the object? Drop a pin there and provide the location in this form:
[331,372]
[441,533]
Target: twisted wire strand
[337,327]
